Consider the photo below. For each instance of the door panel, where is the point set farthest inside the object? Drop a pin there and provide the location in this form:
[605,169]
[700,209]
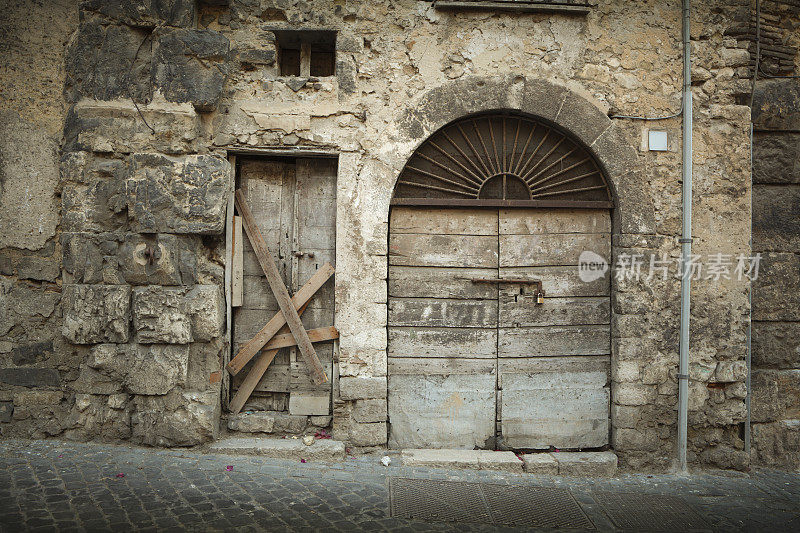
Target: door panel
[442,410]
[442,328]
[553,357]
[469,360]
[294,204]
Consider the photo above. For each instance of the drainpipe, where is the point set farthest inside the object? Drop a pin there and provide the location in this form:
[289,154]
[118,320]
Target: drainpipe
[686,242]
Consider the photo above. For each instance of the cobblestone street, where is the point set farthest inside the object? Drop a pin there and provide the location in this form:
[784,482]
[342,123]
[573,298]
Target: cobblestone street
[52,485]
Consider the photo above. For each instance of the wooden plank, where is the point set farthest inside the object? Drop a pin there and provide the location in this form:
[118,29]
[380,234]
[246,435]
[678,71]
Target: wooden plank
[561,281]
[554,341]
[257,370]
[576,418]
[279,289]
[271,328]
[544,365]
[521,309]
[237,263]
[551,250]
[434,221]
[437,411]
[316,335]
[275,379]
[567,409]
[442,342]
[429,366]
[414,249]
[441,312]
[547,221]
[436,282]
[226,352]
[253,377]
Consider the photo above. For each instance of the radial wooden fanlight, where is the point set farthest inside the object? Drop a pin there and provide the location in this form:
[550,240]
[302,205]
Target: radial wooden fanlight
[502,160]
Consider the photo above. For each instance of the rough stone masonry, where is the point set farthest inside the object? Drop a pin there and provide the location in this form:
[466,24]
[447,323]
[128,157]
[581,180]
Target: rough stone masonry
[119,118]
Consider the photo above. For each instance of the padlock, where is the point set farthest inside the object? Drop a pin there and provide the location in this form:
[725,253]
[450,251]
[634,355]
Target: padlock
[539,298]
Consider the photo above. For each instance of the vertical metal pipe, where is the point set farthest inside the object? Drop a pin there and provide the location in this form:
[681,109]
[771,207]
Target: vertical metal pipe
[686,242]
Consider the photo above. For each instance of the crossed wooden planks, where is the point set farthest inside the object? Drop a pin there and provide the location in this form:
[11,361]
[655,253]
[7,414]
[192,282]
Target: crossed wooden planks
[285,328]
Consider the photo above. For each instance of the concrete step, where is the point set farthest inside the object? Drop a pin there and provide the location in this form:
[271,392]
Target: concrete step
[584,464]
[320,450]
[468,459]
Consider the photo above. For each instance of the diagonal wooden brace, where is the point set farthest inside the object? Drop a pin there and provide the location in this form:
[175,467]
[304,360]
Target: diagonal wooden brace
[257,371]
[301,297]
[279,290]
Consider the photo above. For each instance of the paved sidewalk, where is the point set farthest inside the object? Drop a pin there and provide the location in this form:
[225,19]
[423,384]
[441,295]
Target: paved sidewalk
[52,485]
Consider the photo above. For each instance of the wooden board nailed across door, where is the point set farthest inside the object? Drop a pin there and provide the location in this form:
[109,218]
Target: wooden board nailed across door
[294,204]
[481,364]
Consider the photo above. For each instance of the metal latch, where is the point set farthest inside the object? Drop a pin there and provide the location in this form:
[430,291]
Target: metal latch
[524,281]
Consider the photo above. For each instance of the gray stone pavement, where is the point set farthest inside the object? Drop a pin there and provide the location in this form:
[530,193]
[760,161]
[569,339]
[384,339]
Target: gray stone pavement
[53,485]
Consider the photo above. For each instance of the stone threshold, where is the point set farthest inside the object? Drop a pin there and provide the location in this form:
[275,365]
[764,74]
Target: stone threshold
[584,464]
[280,448]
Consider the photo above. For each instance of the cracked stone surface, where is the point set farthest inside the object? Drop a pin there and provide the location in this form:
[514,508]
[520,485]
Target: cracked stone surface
[49,485]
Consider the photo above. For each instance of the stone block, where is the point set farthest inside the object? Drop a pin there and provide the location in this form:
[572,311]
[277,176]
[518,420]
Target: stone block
[776,345]
[177,419]
[189,66]
[730,372]
[185,196]
[776,158]
[39,268]
[250,57]
[30,377]
[309,403]
[96,313]
[776,218]
[542,464]
[92,417]
[777,444]
[206,305]
[776,104]
[6,412]
[153,259]
[776,395]
[286,423]
[586,464]
[159,315]
[358,388]
[632,394]
[152,369]
[628,439]
[252,422]
[373,410]
[145,13]
[30,354]
[495,460]
[90,258]
[776,291]
[320,421]
[98,61]
[115,126]
[441,458]
[321,450]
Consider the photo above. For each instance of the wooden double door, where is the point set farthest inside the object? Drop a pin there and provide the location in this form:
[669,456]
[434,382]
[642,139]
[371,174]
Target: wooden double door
[477,363]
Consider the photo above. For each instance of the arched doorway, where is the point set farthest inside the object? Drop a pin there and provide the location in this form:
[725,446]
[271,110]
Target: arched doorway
[494,339]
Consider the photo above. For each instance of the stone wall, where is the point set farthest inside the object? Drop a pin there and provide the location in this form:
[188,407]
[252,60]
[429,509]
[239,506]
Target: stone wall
[143,203]
[34,358]
[776,234]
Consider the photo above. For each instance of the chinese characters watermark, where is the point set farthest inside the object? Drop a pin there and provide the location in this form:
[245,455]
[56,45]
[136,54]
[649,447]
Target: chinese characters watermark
[635,267]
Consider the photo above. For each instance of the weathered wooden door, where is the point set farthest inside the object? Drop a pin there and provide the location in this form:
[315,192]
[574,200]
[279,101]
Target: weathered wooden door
[475,363]
[294,203]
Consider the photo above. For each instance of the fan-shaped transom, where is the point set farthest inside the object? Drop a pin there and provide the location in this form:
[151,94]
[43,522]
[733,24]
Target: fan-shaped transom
[502,159]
